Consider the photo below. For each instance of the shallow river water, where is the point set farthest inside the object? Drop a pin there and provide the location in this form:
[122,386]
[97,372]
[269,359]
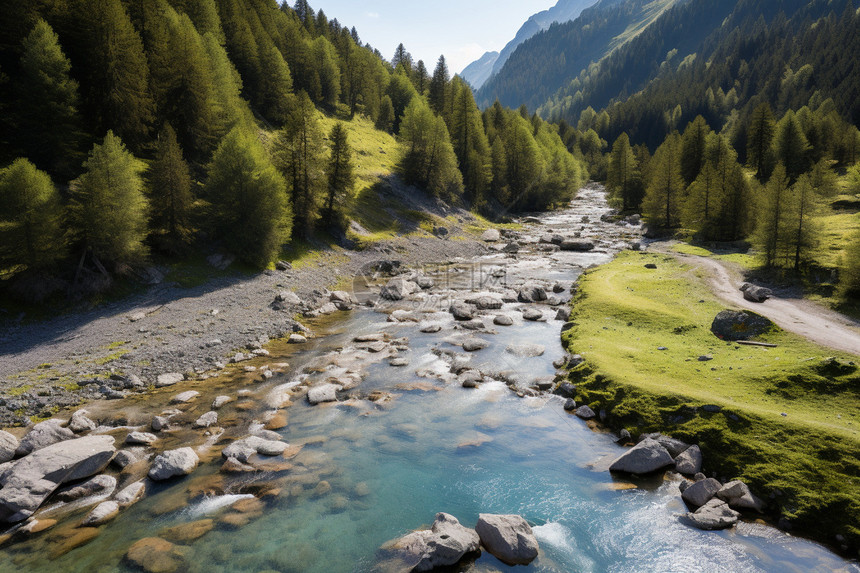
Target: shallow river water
[436,446]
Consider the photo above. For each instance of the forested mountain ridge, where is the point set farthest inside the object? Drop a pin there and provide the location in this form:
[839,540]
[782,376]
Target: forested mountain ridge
[479,71]
[183,126]
[548,60]
[564,11]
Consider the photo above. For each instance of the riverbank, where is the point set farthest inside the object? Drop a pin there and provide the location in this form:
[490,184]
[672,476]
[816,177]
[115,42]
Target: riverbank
[783,419]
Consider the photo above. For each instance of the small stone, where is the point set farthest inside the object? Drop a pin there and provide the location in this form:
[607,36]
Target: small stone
[569,405]
[532,314]
[173,463]
[503,320]
[220,401]
[296,339]
[130,494]
[185,397]
[159,423]
[124,458]
[474,344]
[80,423]
[705,358]
[585,413]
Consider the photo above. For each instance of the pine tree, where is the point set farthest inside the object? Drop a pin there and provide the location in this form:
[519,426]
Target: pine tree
[341,178]
[108,206]
[760,135]
[402,59]
[470,143]
[297,153]
[385,120]
[438,90]
[693,144]
[422,78]
[791,145]
[48,121]
[772,226]
[801,210]
[325,66]
[665,192]
[429,161]
[401,92]
[623,180]
[276,95]
[170,194]
[31,214]
[250,211]
[524,163]
[115,77]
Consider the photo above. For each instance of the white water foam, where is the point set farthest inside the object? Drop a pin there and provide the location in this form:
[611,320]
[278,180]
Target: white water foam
[557,540]
[211,504]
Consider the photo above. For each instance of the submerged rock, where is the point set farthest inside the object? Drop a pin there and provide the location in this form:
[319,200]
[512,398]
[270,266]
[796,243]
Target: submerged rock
[525,350]
[444,544]
[509,538]
[155,555]
[324,393]
[645,457]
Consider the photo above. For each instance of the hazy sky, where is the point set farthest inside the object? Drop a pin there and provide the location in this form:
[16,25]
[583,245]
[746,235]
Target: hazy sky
[461,29]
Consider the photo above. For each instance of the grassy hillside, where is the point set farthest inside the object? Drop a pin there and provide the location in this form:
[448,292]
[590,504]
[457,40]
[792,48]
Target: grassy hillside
[789,422]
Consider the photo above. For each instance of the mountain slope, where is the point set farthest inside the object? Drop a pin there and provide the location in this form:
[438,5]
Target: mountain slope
[547,62]
[564,11]
[479,71]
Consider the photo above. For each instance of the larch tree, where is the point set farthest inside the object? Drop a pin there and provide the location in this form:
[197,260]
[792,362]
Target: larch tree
[170,194]
[791,146]
[250,210]
[804,231]
[402,59]
[665,192]
[276,97]
[772,225]
[622,178]
[438,93]
[340,176]
[385,119]
[762,129]
[849,272]
[429,160]
[693,144]
[31,218]
[297,151]
[523,161]
[470,143]
[422,77]
[48,121]
[401,92]
[116,76]
[108,206]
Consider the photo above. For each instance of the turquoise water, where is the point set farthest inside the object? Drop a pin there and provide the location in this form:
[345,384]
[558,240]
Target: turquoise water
[433,447]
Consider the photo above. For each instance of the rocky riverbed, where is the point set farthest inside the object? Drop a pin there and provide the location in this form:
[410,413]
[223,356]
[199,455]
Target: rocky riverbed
[308,452]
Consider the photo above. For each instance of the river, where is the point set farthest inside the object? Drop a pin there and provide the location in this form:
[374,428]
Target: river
[431,445]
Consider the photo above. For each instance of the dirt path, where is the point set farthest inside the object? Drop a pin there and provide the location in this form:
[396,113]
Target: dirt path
[806,318]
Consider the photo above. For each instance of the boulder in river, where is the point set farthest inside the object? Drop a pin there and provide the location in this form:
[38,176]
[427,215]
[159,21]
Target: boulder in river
[738,495]
[525,350]
[739,325]
[43,434]
[503,320]
[645,457]
[532,315]
[130,494]
[102,513]
[172,463]
[701,492]
[715,514]
[29,481]
[462,310]
[577,245]
[444,544]
[324,393]
[398,289]
[689,462]
[509,538]
[491,235]
[673,445]
[531,292]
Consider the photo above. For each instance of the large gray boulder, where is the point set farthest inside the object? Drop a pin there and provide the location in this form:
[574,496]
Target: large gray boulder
[689,462]
[462,311]
[445,543]
[28,482]
[645,457]
[398,289]
[715,514]
[42,435]
[701,492]
[738,495]
[755,293]
[491,235]
[509,538]
[673,445]
[8,445]
[81,423]
[531,293]
[739,325]
[577,246]
[172,463]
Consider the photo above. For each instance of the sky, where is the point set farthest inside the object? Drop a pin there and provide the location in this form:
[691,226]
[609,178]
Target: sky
[462,30]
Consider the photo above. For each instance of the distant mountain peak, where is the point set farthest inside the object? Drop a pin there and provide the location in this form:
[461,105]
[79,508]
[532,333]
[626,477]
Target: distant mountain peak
[480,70]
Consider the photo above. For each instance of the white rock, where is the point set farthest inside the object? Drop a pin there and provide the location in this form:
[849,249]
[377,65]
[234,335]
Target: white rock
[81,423]
[208,419]
[220,401]
[144,438]
[130,494]
[185,397]
[324,393]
